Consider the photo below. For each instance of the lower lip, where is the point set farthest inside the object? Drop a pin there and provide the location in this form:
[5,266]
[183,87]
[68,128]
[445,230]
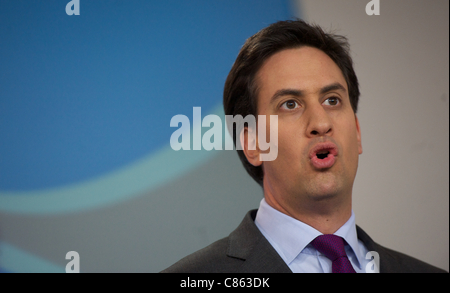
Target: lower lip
[325,163]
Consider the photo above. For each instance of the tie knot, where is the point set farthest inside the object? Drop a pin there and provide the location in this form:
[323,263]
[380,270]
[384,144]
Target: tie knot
[330,245]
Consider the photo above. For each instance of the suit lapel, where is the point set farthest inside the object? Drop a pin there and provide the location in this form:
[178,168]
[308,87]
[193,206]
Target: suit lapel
[264,259]
[248,244]
[389,262]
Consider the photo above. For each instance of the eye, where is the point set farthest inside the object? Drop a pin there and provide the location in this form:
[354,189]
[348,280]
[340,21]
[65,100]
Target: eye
[289,105]
[333,101]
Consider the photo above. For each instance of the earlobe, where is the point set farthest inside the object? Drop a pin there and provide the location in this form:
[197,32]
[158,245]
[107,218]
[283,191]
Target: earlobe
[358,135]
[248,139]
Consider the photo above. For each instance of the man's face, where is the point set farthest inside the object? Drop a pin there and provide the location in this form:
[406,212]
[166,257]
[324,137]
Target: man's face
[319,138]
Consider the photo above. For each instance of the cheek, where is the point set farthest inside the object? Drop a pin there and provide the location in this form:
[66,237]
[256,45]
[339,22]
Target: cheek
[290,149]
[351,143]
[284,137]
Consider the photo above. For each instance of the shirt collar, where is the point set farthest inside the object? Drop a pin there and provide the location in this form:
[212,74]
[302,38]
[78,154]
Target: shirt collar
[290,236]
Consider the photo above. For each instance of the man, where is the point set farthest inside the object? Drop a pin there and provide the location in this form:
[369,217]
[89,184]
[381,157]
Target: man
[305,222]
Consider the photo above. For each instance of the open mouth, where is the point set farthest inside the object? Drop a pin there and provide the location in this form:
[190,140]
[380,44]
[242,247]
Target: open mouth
[322,155]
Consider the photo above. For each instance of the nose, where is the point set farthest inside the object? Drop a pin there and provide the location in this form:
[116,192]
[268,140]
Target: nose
[319,122]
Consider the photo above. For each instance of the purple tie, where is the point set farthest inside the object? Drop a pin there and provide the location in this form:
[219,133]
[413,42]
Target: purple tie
[332,247]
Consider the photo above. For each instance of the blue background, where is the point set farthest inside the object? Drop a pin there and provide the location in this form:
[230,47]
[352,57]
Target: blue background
[83,95]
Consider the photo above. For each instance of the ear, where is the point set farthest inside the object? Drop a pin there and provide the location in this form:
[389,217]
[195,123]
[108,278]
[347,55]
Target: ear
[358,135]
[250,147]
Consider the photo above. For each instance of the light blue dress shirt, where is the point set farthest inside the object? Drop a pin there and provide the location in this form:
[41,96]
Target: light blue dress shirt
[291,239]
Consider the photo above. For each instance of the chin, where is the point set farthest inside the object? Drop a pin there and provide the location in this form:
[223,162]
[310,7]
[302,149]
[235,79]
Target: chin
[322,196]
[325,191]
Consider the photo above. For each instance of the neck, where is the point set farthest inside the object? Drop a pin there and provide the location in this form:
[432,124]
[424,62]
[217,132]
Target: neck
[326,214]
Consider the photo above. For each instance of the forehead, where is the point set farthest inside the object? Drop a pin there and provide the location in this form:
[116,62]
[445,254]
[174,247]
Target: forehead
[306,68]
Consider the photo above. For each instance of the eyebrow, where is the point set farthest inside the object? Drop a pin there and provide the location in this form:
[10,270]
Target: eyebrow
[299,93]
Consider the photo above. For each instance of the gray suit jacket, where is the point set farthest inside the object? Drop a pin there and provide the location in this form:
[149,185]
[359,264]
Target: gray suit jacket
[246,250]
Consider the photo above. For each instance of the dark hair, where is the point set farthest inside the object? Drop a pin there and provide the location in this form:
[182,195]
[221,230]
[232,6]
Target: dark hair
[241,89]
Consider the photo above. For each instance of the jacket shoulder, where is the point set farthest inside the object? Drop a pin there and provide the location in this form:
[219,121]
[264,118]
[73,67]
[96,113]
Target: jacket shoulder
[211,259]
[245,250]
[392,261]
[397,262]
